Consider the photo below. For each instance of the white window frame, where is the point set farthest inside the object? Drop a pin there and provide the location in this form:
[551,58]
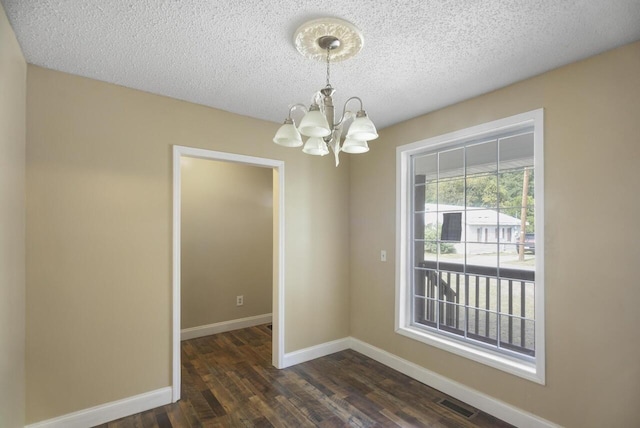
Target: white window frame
[533,369]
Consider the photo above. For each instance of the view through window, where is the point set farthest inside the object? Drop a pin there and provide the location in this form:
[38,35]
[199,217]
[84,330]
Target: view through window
[474,258]
[470,276]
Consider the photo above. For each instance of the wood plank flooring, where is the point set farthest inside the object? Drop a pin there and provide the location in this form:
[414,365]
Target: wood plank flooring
[228,381]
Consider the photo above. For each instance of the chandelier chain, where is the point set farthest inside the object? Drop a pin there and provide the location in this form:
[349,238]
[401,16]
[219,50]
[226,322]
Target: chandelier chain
[328,68]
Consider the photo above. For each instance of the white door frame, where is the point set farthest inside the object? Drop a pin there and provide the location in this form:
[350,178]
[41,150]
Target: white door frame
[278,254]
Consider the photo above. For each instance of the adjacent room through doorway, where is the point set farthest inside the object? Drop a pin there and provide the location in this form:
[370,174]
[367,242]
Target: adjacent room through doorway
[227,246]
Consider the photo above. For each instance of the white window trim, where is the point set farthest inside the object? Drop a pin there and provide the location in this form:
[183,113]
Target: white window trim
[532,370]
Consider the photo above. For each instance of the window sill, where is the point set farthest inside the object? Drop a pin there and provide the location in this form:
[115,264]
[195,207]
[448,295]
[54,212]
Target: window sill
[523,369]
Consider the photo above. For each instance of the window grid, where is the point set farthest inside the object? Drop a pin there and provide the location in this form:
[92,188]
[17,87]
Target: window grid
[440,306]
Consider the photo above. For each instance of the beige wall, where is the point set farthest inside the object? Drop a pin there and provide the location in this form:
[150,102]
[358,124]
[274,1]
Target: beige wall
[13,84]
[592,174]
[99,237]
[226,250]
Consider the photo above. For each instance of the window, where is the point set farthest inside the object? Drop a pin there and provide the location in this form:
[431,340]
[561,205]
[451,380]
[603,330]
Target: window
[463,284]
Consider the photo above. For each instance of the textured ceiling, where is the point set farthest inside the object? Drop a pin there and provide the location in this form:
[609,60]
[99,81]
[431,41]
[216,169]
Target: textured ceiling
[239,56]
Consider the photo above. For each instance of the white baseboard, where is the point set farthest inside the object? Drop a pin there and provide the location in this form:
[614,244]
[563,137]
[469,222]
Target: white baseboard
[160,397]
[221,327]
[486,403]
[110,411]
[313,352]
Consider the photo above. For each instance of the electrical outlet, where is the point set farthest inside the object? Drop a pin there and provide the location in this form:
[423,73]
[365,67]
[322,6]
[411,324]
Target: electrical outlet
[239,300]
[383,255]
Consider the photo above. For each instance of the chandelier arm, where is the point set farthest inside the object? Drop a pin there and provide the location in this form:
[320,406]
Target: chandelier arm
[317,98]
[295,106]
[345,111]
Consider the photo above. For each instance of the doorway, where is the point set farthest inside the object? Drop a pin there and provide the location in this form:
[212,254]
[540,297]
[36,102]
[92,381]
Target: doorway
[181,152]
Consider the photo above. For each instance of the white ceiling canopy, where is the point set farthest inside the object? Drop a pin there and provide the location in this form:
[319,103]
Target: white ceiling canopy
[240,56]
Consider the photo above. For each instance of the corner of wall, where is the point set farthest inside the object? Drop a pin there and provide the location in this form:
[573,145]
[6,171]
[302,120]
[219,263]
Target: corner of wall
[13,76]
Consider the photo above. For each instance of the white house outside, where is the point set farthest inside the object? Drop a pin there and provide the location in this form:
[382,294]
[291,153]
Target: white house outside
[479,227]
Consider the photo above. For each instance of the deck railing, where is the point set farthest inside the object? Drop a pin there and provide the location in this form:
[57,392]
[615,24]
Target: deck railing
[487,304]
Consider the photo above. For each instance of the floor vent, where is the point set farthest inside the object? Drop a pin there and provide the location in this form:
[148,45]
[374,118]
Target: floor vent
[457,408]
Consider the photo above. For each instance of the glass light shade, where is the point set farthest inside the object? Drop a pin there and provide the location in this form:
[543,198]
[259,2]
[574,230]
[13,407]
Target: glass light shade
[362,129]
[316,146]
[288,136]
[314,124]
[355,146]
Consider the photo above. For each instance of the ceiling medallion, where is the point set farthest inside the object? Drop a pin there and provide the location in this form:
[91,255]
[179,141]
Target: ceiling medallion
[307,35]
[329,39]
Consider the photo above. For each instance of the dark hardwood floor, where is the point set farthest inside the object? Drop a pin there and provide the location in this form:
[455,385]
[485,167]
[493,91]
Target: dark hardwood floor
[228,381]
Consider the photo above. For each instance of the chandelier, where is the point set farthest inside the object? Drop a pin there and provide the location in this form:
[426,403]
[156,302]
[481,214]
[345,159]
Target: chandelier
[327,39]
